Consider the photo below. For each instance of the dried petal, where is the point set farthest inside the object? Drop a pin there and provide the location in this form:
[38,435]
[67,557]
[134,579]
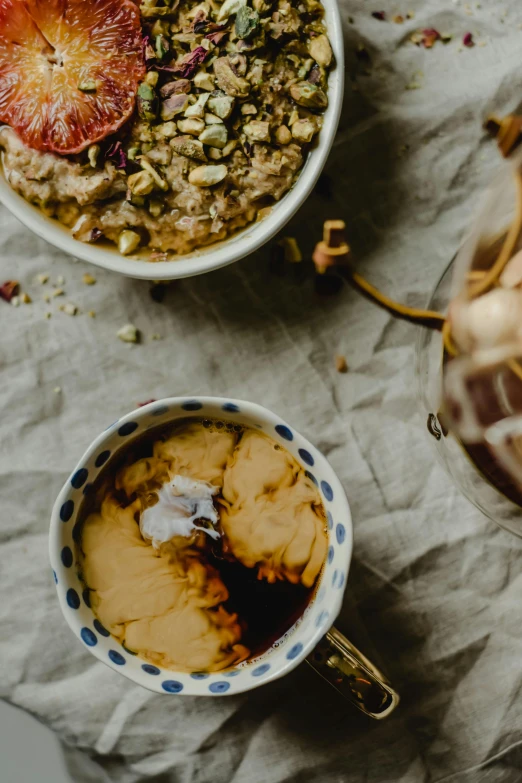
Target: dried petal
[468,40]
[95,235]
[147,402]
[188,66]
[117,153]
[9,289]
[429,37]
[217,36]
[380,15]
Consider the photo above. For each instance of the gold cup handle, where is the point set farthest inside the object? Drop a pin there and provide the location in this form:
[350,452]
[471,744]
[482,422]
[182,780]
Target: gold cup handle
[353,675]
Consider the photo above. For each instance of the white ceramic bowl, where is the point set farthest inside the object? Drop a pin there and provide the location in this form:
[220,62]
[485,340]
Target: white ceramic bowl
[222,253]
[285,654]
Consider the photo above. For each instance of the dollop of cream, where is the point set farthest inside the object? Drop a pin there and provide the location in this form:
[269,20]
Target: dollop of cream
[180,503]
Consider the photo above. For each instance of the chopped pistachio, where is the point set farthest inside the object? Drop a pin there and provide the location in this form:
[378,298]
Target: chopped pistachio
[293,117]
[193,126]
[228,81]
[15,301]
[305,68]
[303,130]
[141,183]
[152,78]
[247,22]
[147,102]
[320,49]
[175,104]
[188,147]
[257,130]
[133,152]
[205,176]
[155,207]
[283,135]
[160,182]
[212,119]
[58,292]
[309,95]
[198,108]
[261,6]
[221,105]
[25,298]
[167,129]
[128,242]
[230,147]
[214,136]
[248,108]
[128,334]
[229,8]
[69,308]
[160,27]
[42,279]
[214,153]
[92,154]
[204,81]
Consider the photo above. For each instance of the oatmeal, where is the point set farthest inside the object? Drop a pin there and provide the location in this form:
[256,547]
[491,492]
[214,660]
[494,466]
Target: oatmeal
[231,101]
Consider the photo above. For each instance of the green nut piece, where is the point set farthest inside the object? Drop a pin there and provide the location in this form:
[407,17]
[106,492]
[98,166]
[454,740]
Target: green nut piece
[147,102]
[141,183]
[128,242]
[309,96]
[247,22]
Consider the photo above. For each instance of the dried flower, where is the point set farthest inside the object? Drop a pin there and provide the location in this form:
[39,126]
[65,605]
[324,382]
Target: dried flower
[188,66]
[9,289]
[430,36]
[147,402]
[95,235]
[468,40]
[380,15]
[116,152]
[341,365]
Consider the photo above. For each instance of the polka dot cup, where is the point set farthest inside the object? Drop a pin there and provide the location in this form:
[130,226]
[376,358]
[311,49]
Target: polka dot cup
[305,639]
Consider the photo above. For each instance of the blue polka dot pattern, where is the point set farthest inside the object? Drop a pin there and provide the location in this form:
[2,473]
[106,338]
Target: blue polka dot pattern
[73,599]
[88,637]
[330,554]
[340,583]
[102,458]
[116,657]
[172,686]
[128,428]
[340,533]
[160,410]
[231,407]
[294,651]
[231,673]
[86,595]
[100,628]
[334,577]
[327,490]
[321,619]
[321,594]
[67,556]
[66,511]
[261,670]
[79,478]
[55,577]
[88,488]
[311,477]
[149,669]
[284,431]
[77,531]
[199,675]
[306,457]
[219,687]
[192,405]
[330,520]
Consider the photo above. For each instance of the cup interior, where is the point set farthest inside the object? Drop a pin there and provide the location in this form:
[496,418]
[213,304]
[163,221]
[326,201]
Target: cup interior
[294,645]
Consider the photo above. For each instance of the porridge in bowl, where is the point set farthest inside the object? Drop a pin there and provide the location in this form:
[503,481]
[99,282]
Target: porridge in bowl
[165,128]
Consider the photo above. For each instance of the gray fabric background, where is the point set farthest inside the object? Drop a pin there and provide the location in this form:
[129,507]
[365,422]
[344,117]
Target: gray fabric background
[434,589]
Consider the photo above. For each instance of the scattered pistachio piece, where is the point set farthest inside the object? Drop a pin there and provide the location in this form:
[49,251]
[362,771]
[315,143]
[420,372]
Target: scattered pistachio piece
[212,119]
[25,298]
[129,334]
[193,126]
[48,315]
[15,301]
[205,176]
[42,279]
[283,135]
[230,147]
[257,130]
[198,109]
[228,81]
[204,81]
[155,207]
[303,130]
[320,49]
[309,95]
[214,153]
[128,242]
[214,136]
[69,308]
[141,183]
[58,292]
[149,168]
[188,147]
[88,279]
[221,106]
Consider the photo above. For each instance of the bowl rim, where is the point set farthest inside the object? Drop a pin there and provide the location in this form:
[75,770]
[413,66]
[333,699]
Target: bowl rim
[249,410]
[229,250]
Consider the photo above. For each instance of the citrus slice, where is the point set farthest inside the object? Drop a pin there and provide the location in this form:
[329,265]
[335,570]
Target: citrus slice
[69,70]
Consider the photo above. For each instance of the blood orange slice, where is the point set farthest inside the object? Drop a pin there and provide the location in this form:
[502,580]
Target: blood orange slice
[69,69]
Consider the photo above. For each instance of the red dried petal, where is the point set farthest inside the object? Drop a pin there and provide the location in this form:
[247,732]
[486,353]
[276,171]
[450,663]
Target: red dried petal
[141,404]
[380,15]
[9,289]
[188,66]
[217,36]
[430,36]
[468,40]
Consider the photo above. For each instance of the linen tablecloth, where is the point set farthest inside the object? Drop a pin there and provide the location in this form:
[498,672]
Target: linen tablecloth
[434,588]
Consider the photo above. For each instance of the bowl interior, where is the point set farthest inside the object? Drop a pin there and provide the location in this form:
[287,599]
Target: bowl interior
[288,651]
[230,250]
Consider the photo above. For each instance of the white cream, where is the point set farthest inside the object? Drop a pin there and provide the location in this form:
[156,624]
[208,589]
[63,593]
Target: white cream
[180,503]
